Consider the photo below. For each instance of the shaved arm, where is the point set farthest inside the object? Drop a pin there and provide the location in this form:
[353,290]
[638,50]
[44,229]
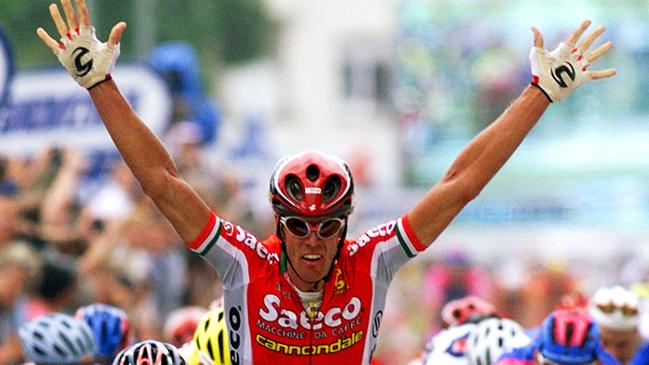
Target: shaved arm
[488,151]
[150,162]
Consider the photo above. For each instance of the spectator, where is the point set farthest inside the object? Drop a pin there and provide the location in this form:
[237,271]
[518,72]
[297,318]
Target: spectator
[19,269]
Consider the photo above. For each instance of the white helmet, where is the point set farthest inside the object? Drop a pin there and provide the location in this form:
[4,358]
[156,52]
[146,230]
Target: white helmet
[57,338]
[493,337]
[615,308]
[448,347]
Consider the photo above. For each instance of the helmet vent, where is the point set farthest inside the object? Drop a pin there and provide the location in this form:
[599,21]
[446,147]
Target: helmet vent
[569,332]
[221,342]
[209,348]
[331,188]
[312,173]
[69,344]
[59,350]
[294,188]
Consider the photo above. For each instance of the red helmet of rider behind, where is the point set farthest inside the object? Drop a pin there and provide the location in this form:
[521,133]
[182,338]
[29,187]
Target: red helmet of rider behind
[468,309]
[312,184]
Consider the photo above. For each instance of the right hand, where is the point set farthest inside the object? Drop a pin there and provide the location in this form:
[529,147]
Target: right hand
[88,60]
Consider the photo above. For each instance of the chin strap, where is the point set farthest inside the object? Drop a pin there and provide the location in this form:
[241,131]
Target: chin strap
[338,249]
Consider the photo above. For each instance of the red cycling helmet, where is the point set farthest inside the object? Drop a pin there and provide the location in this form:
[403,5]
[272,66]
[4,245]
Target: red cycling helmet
[312,184]
[468,309]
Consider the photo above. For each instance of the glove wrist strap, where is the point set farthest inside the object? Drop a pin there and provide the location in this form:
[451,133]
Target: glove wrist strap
[543,91]
[108,77]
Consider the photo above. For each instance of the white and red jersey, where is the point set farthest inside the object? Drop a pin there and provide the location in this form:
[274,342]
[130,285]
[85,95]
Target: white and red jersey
[267,321]
[448,347]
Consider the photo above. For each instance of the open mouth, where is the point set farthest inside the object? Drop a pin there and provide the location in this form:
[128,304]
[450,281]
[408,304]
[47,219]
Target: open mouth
[311,257]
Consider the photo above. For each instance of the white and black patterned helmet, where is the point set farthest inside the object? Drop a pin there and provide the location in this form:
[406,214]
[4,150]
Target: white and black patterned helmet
[150,352]
[491,338]
[57,339]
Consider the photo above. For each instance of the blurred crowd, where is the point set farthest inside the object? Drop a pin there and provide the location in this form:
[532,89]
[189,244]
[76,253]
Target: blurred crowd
[67,243]
[525,290]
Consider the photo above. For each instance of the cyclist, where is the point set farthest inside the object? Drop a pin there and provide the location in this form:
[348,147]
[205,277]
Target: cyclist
[468,309]
[210,343]
[448,346]
[181,323]
[111,328]
[307,294]
[463,317]
[493,337]
[616,312]
[57,338]
[567,337]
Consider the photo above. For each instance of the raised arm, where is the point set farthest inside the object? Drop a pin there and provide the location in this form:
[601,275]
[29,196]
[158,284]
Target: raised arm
[90,63]
[554,76]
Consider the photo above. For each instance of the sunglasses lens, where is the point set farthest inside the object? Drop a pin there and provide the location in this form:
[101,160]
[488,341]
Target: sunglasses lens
[629,311]
[329,228]
[606,308]
[297,227]
[625,309]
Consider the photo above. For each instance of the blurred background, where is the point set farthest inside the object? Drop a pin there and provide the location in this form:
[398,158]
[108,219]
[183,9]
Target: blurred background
[395,87]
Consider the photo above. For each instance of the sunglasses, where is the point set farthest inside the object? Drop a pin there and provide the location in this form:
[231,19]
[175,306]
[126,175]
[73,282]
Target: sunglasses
[300,228]
[541,360]
[626,310]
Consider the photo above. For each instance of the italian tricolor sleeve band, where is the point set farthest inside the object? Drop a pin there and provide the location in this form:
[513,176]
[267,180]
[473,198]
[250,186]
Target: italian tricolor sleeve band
[207,237]
[407,238]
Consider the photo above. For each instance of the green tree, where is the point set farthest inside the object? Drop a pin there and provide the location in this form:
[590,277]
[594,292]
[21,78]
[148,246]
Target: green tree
[19,20]
[232,31]
[229,32]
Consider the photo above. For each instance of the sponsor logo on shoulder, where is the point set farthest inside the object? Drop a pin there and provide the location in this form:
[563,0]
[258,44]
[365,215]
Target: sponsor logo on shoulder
[240,235]
[383,230]
[234,322]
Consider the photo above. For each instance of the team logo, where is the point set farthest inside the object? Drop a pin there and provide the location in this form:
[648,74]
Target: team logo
[82,67]
[334,317]
[568,70]
[340,286]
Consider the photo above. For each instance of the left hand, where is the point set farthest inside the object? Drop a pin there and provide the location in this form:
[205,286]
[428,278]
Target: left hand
[562,71]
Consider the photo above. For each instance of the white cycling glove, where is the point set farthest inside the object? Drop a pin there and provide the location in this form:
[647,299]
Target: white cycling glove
[560,72]
[86,58]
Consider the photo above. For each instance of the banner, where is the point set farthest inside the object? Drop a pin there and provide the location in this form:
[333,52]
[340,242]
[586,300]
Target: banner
[47,108]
